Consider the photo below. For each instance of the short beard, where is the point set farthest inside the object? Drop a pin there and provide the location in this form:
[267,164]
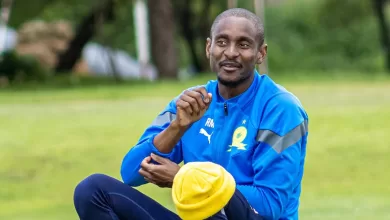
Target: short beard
[233,84]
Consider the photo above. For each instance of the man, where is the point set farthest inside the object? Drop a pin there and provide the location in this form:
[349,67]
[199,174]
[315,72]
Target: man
[243,121]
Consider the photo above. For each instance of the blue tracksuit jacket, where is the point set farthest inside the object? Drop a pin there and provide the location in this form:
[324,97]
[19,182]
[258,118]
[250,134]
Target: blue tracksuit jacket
[259,137]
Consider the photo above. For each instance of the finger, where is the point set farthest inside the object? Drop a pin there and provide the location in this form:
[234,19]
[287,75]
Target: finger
[192,101]
[184,105]
[146,165]
[145,173]
[159,184]
[210,97]
[198,96]
[160,160]
[204,93]
[154,178]
[150,181]
[165,185]
[146,160]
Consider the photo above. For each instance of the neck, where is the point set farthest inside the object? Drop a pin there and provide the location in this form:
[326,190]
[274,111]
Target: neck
[230,92]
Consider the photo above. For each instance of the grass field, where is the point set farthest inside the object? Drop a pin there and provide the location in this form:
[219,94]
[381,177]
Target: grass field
[50,139]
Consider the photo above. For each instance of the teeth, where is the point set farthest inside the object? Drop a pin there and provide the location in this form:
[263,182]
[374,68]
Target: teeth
[230,66]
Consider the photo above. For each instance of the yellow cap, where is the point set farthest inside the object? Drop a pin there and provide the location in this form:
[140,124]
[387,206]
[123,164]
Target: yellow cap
[201,189]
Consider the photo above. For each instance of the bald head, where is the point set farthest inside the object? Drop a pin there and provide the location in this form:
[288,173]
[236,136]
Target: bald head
[242,13]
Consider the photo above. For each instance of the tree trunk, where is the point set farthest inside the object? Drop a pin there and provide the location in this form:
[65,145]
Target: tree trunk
[195,29]
[84,33]
[184,18]
[379,9]
[232,3]
[163,46]
[205,23]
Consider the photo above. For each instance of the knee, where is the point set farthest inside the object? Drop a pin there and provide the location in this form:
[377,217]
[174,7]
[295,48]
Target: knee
[85,190]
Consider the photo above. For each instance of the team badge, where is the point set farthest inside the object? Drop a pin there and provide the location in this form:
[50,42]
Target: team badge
[239,136]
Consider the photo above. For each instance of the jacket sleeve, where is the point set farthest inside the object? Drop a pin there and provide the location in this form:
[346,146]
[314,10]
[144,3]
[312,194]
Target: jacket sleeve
[279,156]
[144,147]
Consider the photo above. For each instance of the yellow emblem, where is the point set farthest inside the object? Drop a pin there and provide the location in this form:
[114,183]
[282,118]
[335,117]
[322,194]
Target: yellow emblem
[239,136]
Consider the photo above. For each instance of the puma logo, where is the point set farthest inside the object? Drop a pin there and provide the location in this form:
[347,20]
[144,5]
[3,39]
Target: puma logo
[204,132]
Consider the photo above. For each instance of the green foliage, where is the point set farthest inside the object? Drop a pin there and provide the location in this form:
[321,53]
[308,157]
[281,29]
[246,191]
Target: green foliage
[120,33]
[323,35]
[19,68]
[22,11]
[341,14]
[301,34]
[248,4]
[70,10]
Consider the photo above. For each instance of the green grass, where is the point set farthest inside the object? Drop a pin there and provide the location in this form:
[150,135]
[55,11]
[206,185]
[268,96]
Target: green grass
[50,139]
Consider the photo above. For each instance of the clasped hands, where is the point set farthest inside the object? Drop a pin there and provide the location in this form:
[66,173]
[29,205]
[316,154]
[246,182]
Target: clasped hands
[191,106]
[161,174]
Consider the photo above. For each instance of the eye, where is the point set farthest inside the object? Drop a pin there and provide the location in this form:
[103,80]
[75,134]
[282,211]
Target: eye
[244,45]
[221,43]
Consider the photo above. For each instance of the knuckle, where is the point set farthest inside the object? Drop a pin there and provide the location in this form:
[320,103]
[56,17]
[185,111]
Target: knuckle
[198,95]
[186,104]
[181,103]
[182,97]
[202,89]
[191,94]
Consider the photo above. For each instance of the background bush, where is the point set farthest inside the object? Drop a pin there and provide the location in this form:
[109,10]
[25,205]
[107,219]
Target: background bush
[323,35]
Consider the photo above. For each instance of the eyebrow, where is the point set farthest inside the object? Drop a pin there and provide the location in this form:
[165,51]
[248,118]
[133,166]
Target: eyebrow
[241,38]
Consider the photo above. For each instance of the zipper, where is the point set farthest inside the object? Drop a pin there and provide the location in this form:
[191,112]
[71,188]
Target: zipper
[218,150]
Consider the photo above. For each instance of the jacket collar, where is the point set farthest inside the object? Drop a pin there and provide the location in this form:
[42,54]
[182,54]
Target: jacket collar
[245,97]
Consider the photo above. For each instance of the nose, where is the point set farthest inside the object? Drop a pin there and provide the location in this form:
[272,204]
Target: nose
[231,52]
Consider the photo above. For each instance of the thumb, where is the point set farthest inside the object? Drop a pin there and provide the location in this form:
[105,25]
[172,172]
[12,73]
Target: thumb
[210,96]
[158,159]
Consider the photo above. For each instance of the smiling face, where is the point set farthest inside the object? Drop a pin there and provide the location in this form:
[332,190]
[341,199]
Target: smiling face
[234,50]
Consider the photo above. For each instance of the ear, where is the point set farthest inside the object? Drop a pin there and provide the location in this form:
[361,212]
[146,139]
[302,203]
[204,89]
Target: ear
[261,54]
[208,46]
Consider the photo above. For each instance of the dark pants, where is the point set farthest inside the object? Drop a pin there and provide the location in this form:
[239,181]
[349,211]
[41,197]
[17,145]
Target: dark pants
[101,197]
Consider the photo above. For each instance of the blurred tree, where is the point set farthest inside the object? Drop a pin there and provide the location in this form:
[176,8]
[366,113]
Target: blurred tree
[81,15]
[194,19]
[22,11]
[379,9]
[232,3]
[162,29]
[259,6]
[98,15]
[322,35]
[349,13]
[343,13]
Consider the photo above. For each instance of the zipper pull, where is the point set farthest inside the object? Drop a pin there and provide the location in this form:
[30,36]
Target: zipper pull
[225,108]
